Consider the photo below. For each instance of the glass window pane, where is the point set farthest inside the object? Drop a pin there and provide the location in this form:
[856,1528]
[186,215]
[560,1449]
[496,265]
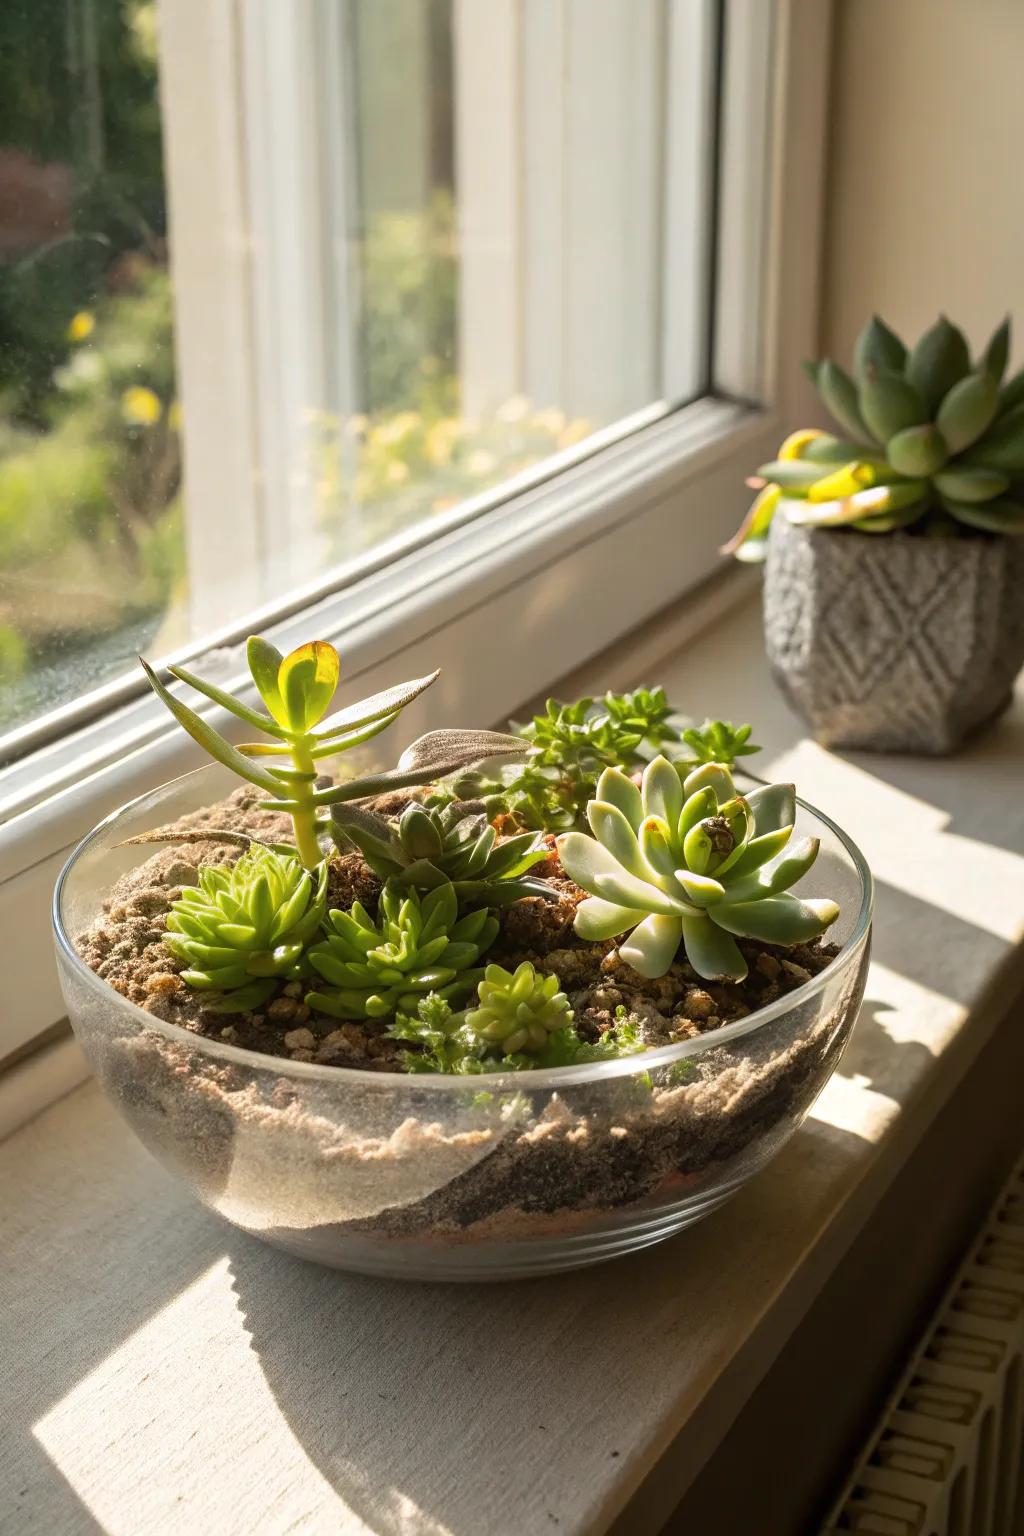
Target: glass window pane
[91,556]
[474,232]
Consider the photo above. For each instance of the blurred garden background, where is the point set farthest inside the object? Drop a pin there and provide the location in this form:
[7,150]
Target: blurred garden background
[93,482]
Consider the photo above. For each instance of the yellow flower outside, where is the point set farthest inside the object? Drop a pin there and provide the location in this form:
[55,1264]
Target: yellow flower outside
[82,325]
[140,406]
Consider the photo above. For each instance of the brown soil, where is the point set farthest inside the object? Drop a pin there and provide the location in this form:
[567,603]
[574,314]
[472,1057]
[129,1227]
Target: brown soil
[319,1169]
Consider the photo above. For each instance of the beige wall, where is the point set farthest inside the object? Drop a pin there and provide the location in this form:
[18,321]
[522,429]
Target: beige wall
[926,180]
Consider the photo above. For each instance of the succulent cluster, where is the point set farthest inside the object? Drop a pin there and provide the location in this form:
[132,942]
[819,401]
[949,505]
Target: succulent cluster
[570,744]
[674,858]
[691,864]
[375,967]
[428,847]
[243,929]
[297,691]
[928,438]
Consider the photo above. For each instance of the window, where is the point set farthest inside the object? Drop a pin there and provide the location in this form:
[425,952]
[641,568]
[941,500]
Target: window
[407,321]
[478,232]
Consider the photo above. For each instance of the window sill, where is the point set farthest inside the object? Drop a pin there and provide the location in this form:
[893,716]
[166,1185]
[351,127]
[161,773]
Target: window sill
[205,1381]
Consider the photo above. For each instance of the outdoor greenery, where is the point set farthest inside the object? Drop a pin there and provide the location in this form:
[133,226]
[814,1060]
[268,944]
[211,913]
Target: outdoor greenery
[90,463]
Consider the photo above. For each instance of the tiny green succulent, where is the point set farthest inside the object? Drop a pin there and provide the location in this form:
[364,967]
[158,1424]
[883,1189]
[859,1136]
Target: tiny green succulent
[418,944]
[456,843]
[928,438]
[244,928]
[691,863]
[445,1044]
[518,1011]
[716,741]
[297,691]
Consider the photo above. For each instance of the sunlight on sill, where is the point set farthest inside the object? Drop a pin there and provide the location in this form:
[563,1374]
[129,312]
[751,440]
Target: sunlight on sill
[908,842]
[109,1432]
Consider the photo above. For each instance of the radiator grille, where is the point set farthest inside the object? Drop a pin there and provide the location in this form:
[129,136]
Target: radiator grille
[946,1459]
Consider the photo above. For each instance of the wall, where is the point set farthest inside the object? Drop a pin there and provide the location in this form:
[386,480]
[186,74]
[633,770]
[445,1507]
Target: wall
[926,181]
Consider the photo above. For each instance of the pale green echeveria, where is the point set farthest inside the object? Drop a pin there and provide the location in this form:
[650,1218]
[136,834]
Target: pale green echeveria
[692,863]
[417,944]
[244,928]
[518,1009]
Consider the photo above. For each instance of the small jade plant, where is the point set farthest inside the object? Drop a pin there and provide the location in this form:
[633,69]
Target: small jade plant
[691,864]
[243,929]
[428,847]
[417,944]
[928,437]
[569,745]
[297,691]
[522,1021]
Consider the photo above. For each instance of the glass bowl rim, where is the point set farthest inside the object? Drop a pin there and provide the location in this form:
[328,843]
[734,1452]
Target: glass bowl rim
[553,1077]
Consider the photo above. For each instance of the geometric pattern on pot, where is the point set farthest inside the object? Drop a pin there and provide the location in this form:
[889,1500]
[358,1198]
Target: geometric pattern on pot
[896,644]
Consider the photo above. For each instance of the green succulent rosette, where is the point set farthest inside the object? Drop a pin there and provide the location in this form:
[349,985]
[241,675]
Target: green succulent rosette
[692,864]
[429,847]
[927,437]
[245,927]
[417,944]
[520,1010]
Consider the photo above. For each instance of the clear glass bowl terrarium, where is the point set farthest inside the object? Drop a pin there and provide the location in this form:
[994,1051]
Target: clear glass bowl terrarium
[456,1178]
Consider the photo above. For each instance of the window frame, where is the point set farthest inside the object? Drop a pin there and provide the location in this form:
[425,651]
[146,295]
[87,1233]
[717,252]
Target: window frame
[528,559]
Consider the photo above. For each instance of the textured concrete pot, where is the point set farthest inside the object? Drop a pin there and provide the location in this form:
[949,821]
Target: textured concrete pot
[893,642]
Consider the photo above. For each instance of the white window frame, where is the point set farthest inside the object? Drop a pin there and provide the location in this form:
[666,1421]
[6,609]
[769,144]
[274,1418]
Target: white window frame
[650,499]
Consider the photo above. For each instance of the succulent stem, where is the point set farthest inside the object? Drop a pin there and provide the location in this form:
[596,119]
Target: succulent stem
[303,813]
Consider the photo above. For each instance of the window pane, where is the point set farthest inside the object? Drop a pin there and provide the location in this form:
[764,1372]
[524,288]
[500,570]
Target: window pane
[418,247]
[91,556]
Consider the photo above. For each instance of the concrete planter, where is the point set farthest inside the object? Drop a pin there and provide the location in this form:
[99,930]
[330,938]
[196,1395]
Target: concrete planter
[893,642]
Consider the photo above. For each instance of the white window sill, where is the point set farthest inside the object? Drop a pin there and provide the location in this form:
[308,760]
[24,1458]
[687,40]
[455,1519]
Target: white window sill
[203,1381]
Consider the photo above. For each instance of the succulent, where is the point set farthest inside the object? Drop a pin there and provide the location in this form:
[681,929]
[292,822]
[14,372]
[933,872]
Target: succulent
[716,741]
[445,1044]
[429,846]
[448,1042]
[518,1011]
[417,945]
[297,690]
[245,927]
[927,438]
[691,863]
[570,744]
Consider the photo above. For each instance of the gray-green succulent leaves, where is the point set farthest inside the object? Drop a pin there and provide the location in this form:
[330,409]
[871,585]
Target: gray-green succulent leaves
[244,928]
[428,847]
[375,968]
[927,437]
[692,863]
[297,691]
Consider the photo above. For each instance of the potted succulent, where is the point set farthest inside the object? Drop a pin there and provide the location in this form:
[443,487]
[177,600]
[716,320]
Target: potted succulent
[520,1003]
[894,587]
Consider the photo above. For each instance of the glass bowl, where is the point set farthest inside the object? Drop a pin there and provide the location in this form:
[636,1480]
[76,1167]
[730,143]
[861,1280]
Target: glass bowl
[438,1178]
